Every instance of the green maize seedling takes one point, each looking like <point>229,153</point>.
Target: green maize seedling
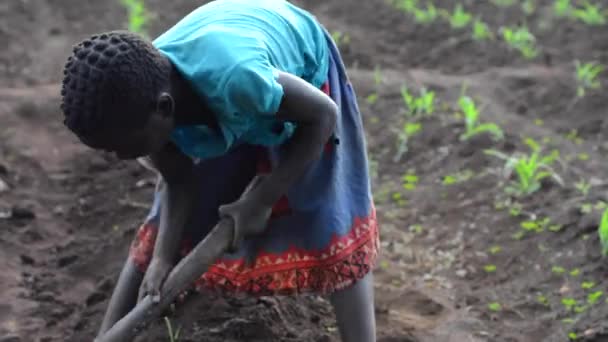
<point>590,14</point>
<point>472,125</point>
<point>583,186</point>
<point>562,8</point>
<point>340,38</point>
<point>423,104</point>
<point>426,16</point>
<point>377,76</point>
<point>520,39</point>
<point>530,169</point>
<point>586,76</point>
<point>137,15</point>
<point>408,6</point>
<point>603,232</point>
<point>173,336</point>
<point>503,3</point>
<point>528,6</point>
<point>409,129</point>
<point>459,18</point>
<point>481,30</point>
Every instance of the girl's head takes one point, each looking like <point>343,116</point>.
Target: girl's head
<point>116,94</point>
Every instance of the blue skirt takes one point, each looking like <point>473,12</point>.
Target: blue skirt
<point>322,235</point>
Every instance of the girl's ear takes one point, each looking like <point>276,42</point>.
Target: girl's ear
<point>165,105</point>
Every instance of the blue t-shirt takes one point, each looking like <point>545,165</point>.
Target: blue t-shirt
<point>231,52</point>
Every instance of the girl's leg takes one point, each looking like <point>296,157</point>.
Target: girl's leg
<point>124,297</point>
<point>354,308</point>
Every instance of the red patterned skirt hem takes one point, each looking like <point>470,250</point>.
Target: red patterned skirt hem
<point>295,271</point>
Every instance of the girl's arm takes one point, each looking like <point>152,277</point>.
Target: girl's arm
<point>178,191</point>
<point>315,115</point>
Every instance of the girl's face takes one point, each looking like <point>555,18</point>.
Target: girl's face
<point>132,144</point>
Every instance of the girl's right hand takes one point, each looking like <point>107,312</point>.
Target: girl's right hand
<point>154,279</point>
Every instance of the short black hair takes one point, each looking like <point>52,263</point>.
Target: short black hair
<point>111,81</point>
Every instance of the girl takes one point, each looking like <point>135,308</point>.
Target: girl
<point>245,111</point>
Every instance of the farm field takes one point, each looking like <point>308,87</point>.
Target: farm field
<point>486,126</point>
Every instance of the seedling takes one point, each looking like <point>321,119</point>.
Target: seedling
<point>575,272</point>
<point>460,18</point>
<point>410,181</point>
<point>340,38</point>
<point>569,303</point>
<point>173,336</point>
<point>489,268</point>
<point>372,98</point>
<point>530,169</point>
<point>594,297</point>
<point>528,6</point>
<point>409,129</point>
<point>573,136</point>
<point>137,15</point>
<point>603,232</point>
<point>583,187</point>
<point>426,16</point>
<point>408,6</point>
<point>495,250</point>
<point>586,77</point>
<point>418,105</point>
<point>494,307</point>
<point>558,270</point>
<point>458,177</point>
<point>416,229</point>
<point>562,8</point>
<point>377,76</point>
<point>481,30</point>
<point>587,285</point>
<point>398,198</point>
<point>503,3</point>
<point>520,39</point>
<point>472,125</point>
<point>542,300</point>
<point>590,14</point>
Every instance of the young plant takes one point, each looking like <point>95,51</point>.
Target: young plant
<point>426,16</point>
<point>481,30</point>
<point>408,6</point>
<point>340,38</point>
<point>520,39</point>
<point>503,3</point>
<point>459,18</point>
<point>173,336</point>
<point>586,77</point>
<point>528,6</point>
<point>603,232</point>
<point>590,14</point>
<point>458,177</point>
<point>583,186</point>
<point>409,129</point>
<point>418,105</point>
<point>530,169</point>
<point>471,119</point>
<point>137,15</point>
<point>562,8</point>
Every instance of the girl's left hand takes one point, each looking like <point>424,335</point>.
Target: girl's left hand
<point>249,215</point>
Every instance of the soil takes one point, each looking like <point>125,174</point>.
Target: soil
<point>455,265</point>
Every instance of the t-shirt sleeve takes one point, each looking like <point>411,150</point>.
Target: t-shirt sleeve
<point>252,88</point>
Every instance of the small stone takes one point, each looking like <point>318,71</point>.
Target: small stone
<point>461,273</point>
<point>19,213</point>
<point>95,298</point>
<point>26,260</point>
<point>10,338</point>
<point>67,260</point>
<point>3,186</point>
